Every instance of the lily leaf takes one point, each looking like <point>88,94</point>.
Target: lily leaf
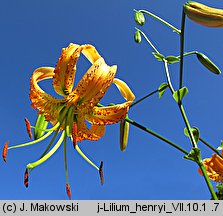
<point>162,88</point>
<point>158,56</point>
<point>204,60</point>
<point>193,155</point>
<point>172,59</point>
<point>195,132</point>
<point>179,94</point>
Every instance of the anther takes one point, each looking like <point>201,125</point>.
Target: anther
<point>5,151</point>
<point>28,128</point>
<point>26,178</point>
<point>68,190</point>
<point>101,173</point>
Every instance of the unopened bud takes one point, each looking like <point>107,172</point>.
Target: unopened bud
<point>137,37</point>
<point>40,126</point>
<point>139,18</point>
<point>204,60</point>
<point>204,15</point>
<point>124,133</point>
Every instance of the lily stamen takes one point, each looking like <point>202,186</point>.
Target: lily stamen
<point>48,155</point>
<point>85,157</point>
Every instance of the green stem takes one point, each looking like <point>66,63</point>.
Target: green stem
<point>182,49</point>
<point>156,135</point>
<point>194,144</point>
<point>143,98</point>
<point>180,106</point>
<point>186,121</point>
<point>168,76</point>
<point>188,53</point>
<point>209,146</point>
<point>160,20</point>
<point>148,95</point>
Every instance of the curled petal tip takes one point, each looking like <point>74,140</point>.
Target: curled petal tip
<point>101,172</point>
<point>5,151</point>
<point>68,190</point>
<point>26,178</point>
<point>28,128</point>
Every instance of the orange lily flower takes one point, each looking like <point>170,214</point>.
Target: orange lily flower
<point>70,113</point>
<point>214,168</point>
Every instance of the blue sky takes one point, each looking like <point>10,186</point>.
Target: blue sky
<point>33,34</point>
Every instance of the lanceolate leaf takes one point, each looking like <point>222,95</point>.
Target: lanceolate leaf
<point>158,56</point>
<point>162,88</point>
<point>179,94</point>
<point>172,59</point>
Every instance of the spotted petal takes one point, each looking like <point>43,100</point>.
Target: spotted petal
<point>42,101</point>
<point>66,66</point>
<point>93,85</point>
<point>94,133</point>
<point>65,69</point>
<point>109,114</point>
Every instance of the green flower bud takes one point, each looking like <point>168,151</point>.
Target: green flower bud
<point>204,15</point>
<point>124,133</point>
<point>139,18</point>
<point>40,126</point>
<point>204,60</point>
<point>137,37</point>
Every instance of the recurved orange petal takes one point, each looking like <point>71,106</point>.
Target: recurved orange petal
<point>90,53</point>
<point>109,114</point>
<point>94,133</point>
<point>93,85</point>
<point>42,101</point>
<point>66,66</point>
<point>124,89</point>
<point>66,69</point>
